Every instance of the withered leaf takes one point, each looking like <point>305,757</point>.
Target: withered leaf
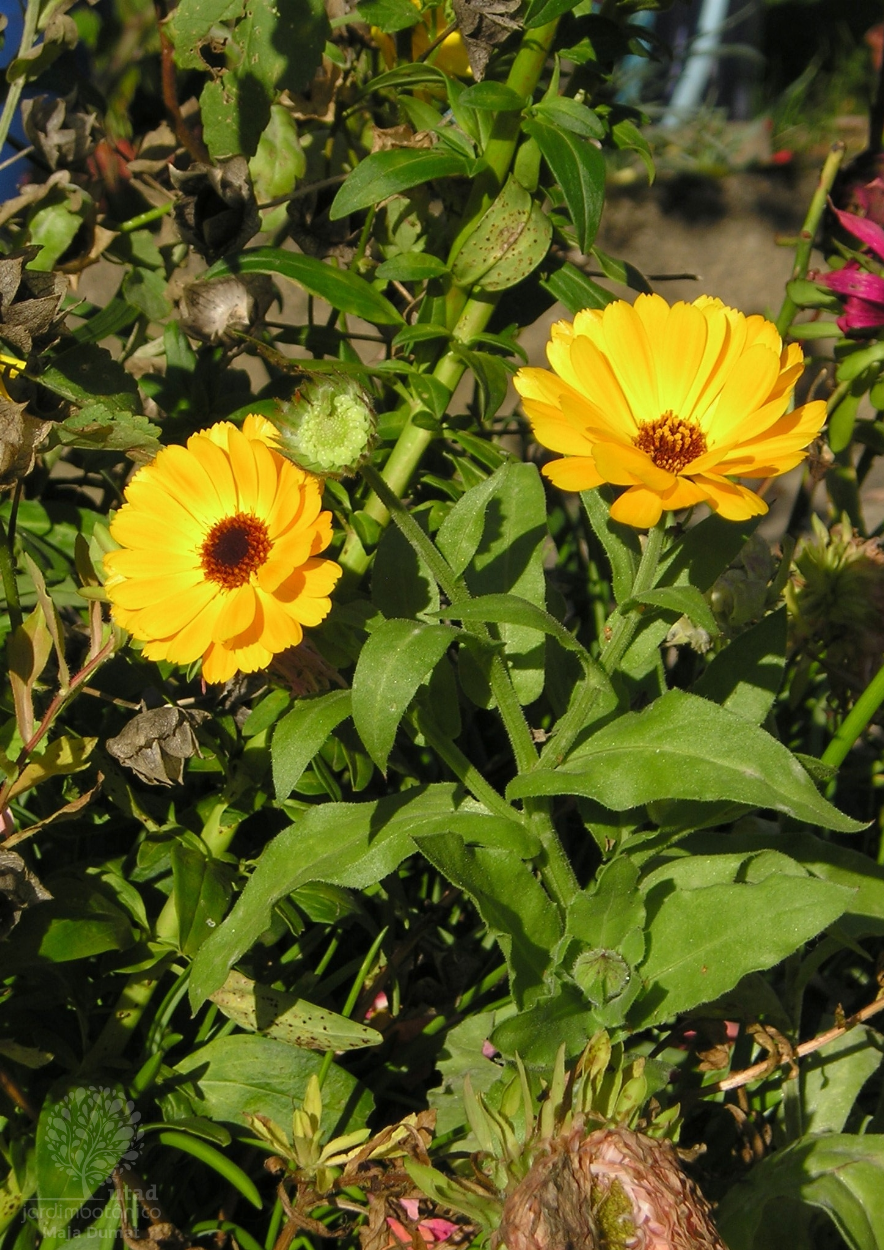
<point>20,436</point>
<point>19,888</point>
<point>60,130</point>
<point>29,302</point>
<point>156,743</point>
<point>483,24</point>
<point>216,211</point>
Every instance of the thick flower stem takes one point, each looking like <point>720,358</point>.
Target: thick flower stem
<point>414,440</point>
<point>466,772</point>
<point>856,720</point>
<point>140,987</point>
<point>624,629</point>
<point>809,229</point>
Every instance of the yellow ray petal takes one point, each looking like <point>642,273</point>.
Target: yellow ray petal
<point>602,387</point>
<point>216,462</point>
<point>730,500</point>
<point>747,387</point>
<point>638,506</point>
<point>140,563</point>
<point>195,639</point>
<point>680,352</point>
<point>245,470</point>
<point>632,359</point>
<point>279,630</point>
<point>143,592</point>
<point>219,664</point>
<point>627,466</point>
<point>573,473</point>
<point>238,615</point>
<point>187,481</point>
<point>165,618</point>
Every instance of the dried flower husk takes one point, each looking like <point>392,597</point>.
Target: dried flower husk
<point>155,744</point>
<point>20,436</point>
<point>483,24</point>
<point>216,211</point>
<point>612,1189</point>
<point>63,131</point>
<point>19,888</point>
<point>215,310</point>
<point>30,300</point>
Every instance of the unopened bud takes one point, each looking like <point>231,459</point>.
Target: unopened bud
<point>328,428</point>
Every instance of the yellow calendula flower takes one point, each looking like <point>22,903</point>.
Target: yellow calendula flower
<point>671,402</point>
<point>219,552</point>
<point>451,54</point>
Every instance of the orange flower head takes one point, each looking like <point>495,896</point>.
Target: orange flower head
<point>219,552</point>
<point>672,403</point>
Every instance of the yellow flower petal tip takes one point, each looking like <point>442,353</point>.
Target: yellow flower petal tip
<point>219,552</point>
<point>671,401</point>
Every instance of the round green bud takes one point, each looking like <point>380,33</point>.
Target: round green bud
<point>328,427</point>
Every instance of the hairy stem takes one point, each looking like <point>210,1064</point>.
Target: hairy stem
<point>627,623</point>
<point>856,720</point>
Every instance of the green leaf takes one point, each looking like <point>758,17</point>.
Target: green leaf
<point>510,900</point>
<point>683,747</point>
<point>686,601</point>
<point>386,173</point>
<point>746,676</point>
<point>277,46</point>
<point>190,27</point>
<point>509,559</point>
<point>145,290</point>
<point>414,266</point>
<point>397,657</point>
<point>702,941</point>
<point>389,15</point>
<point>460,533</point>
<point>575,290</point>
<point>201,891</point>
<point>290,1019</point>
<point>494,96</point>
<point>350,844</point>
<point>100,428</point>
<point>414,75</point>
<point>492,377</point>
<point>301,733</point>
<point>263,1076</point>
<point>342,289</point>
<point>833,1077</point>
<point>511,610</point>
<point>499,229</point>
<point>578,168</point>
<point>78,922</point>
<point>536,1034</point>
<point>620,542</point>
<point>401,582</point>
<point>837,1174</point>
<point>569,114</point>
<point>87,374</point>
<point>539,12</point>
<point>82,1134</point>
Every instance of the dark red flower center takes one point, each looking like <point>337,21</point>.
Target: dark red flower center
<point>234,549</point>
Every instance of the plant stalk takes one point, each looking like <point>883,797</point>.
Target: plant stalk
<point>15,89</point>
<point>809,229</point>
<point>855,721</point>
<point>624,629</point>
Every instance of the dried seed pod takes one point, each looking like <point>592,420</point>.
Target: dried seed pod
<point>62,131</point>
<point>29,303</point>
<point>155,744</point>
<point>609,1190</point>
<point>19,888</point>
<point>213,310</point>
<point>216,211</point>
<point>20,436</point>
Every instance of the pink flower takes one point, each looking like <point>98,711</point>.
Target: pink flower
<point>432,1231</point>
<point>863,291</point>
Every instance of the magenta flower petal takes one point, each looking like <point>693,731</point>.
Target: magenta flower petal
<point>860,314</point>
<point>867,231</point>
<point>851,280</point>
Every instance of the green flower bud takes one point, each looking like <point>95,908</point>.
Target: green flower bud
<point>328,428</point>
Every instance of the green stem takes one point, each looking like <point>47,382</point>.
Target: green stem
<point>809,229</point>
<point>464,771</point>
<point>141,986</point>
<point>145,218</point>
<point>10,582</point>
<point>13,93</point>
<point>856,720</point>
<point>627,622</point>
<point>355,990</point>
<point>501,146</point>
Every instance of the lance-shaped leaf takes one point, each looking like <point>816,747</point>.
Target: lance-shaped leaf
<point>684,747</point>
<point>289,1018</point>
<point>301,733</point>
<point>394,661</point>
<point>387,173</point>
